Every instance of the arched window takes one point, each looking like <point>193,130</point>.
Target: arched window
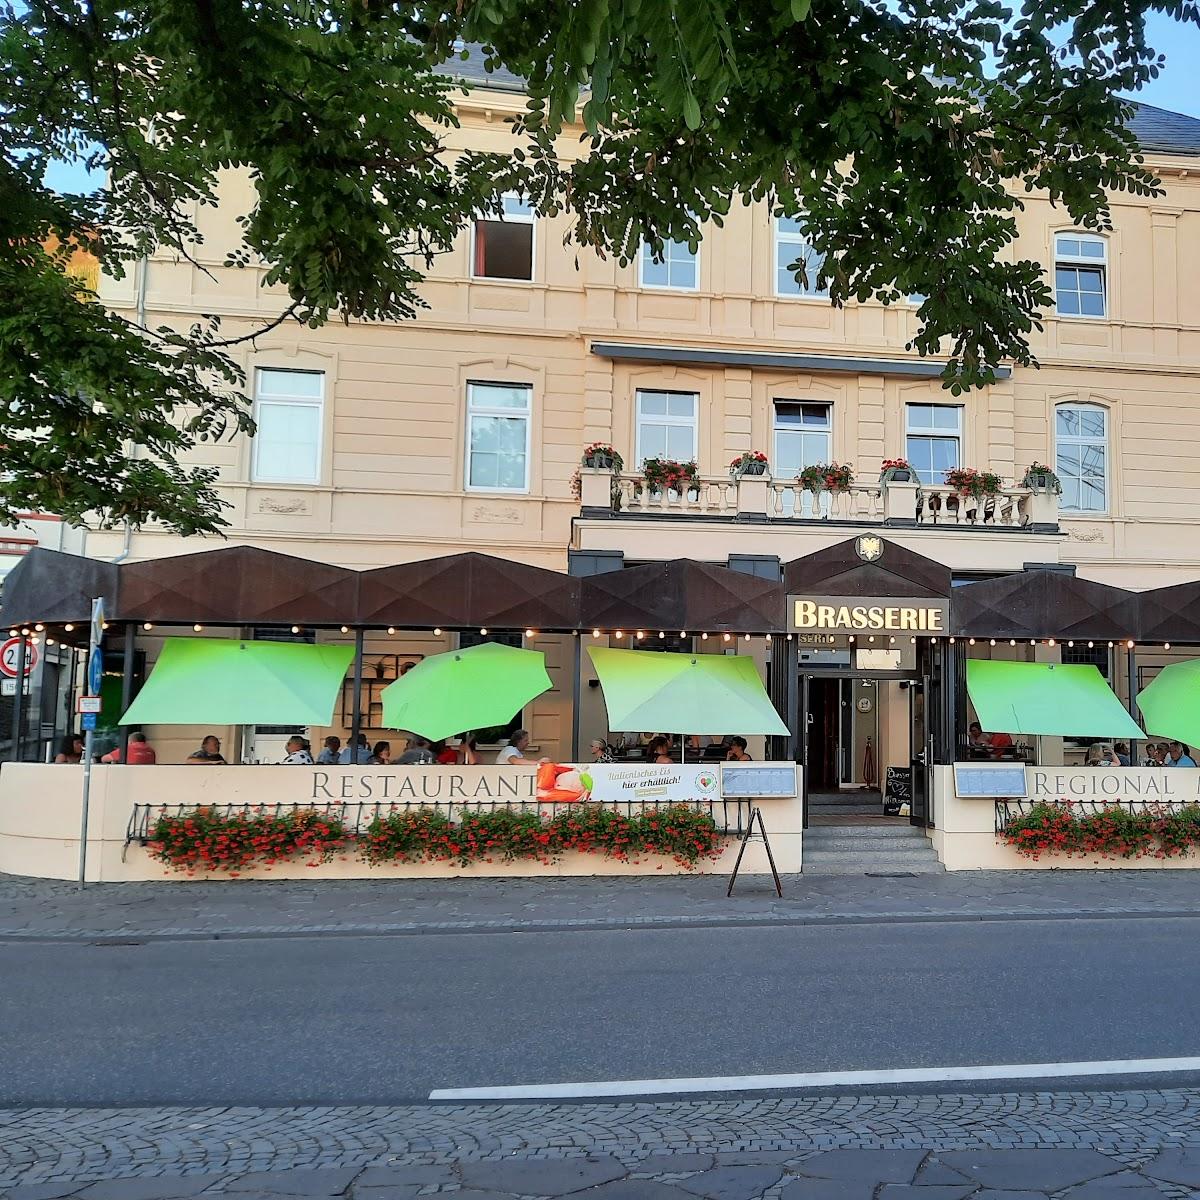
<point>1081,275</point>
<point>1081,456</point>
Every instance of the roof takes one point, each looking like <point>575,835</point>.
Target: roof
<point>1155,128</point>
<point>1165,131</point>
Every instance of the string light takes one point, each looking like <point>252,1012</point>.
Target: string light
<point>1129,644</point>
<point>104,625</point>
<point>727,637</point>
<point>892,639</point>
<point>704,637</point>
<point>683,633</point>
<point>49,641</point>
<point>25,631</point>
<point>913,640</point>
<point>871,638</point>
<point>1091,645</point>
<point>198,628</point>
<point>747,637</point>
<point>345,628</point>
<point>1166,645</point>
<point>295,628</point>
<point>1110,646</point>
<point>618,634</point>
<point>529,633</point>
<point>970,641</point>
<point>39,627</point>
<point>392,629</point>
<point>849,639</point>
<point>69,628</point>
<point>483,632</point>
<point>147,626</point>
<point>1012,641</point>
<point>790,638</point>
<point>595,633</point>
<point>640,635</point>
<point>33,641</point>
<point>952,641</point>
<point>662,634</point>
<point>13,632</point>
<point>437,631</point>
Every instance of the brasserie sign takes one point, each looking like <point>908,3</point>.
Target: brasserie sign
<point>868,614</point>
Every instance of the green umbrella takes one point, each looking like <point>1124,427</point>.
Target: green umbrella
<point>1171,703</point>
<point>465,689</point>
<point>225,681</point>
<point>684,693</point>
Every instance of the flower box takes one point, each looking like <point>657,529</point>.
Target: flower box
<point>752,462</point>
<point>896,470</point>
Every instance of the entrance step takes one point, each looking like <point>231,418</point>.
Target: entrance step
<point>869,849</point>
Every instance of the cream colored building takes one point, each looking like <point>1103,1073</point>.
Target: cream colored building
<point>463,429</point>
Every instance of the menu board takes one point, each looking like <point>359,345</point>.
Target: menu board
<point>758,779</point>
<point>897,789</point>
<point>991,781</point>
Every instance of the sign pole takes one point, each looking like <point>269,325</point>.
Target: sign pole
<point>18,715</point>
<point>95,676</point>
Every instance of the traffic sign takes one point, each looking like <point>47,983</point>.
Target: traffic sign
<point>88,704</point>
<point>88,721</point>
<point>95,673</point>
<point>97,620</point>
<point>10,652</point>
<point>8,687</point>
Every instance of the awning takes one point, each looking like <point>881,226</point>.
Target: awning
<point>215,681</point>
<point>1171,703</point>
<point>646,691</point>
<point>1070,700</point>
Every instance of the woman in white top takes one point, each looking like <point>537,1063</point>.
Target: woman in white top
<point>514,752</point>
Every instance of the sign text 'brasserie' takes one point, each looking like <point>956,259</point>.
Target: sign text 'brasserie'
<point>867,614</point>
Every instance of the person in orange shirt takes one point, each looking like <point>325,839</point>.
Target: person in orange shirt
<point>141,753</point>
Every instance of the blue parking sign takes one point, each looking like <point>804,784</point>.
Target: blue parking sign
<point>95,671</point>
<point>88,721</point>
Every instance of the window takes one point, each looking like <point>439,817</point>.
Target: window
<point>503,246</point>
<point>791,246</point>
<point>1081,456</point>
<point>1080,270</point>
<point>498,436</point>
<point>679,269</point>
<point>288,407</point>
<point>666,425</point>
<point>1099,657</point>
<point>802,436</point>
<point>933,442</point>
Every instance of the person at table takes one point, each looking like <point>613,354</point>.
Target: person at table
<point>331,751</point>
<point>443,754</point>
<point>417,753</point>
<point>1181,756</point>
<point>976,736</point>
<point>71,750</point>
<point>209,754</point>
<point>999,742</point>
<point>381,754</point>
<point>659,750</point>
<point>513,753</point>
<point>468,750</point>
<point>737,750</point>
<point>1121,750</point>
<point>356,756</point>
<point>298,753</point>
<point>1099,755</point>
<point>140,752</point>
<point>598,749</point>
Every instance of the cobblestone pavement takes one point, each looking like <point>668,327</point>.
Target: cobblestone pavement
<point>1143,1145</point>
<point>55,909</point>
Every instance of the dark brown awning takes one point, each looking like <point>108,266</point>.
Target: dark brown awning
<point>1044,604</point>
<point>465,591</point>
<point>53,587</point>
<point>238,585</point>
<point>848,569</point>
<point>682,595</point>
<point>1170,614</point>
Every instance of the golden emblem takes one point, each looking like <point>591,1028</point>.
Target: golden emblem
<point>869,548</point>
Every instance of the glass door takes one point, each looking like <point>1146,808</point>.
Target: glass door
<point>920,752</point>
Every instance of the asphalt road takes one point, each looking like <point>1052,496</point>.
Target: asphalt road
<point>386,1020</point>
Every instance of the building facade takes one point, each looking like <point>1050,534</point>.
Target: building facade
<point>463,429</point>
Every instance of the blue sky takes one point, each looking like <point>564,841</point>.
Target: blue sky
<point>1176,89</point>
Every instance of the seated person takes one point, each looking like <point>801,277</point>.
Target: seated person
<point>139,752</point>
<point>1121,750</point>
<point>1181,756</point>
<point>381,754</point>
<point>513,753</point>
<point>598,749</point>
<point>445,755</point>
<point>209,754</point>
<point>999,742</point>
<point>71,751</point>
<point>468,751</point>
<point>356,756</point>
<point>659,750</point>
<point>1099,755</point>
<point>418,753</point>
<point>737,750</point>
<point>330,756</point>
<point>298,754</point>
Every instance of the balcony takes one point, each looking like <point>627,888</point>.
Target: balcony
<point>608,495</point>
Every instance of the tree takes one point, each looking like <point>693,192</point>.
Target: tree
<point>902,130</point>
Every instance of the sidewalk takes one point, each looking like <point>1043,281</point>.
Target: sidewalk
<point>56,910</point>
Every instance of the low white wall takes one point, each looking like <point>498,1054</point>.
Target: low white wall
<point>40,817</point>
<point>965,837</point>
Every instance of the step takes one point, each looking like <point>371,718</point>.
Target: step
<point>880,829</point>
<point>839,810</point>
<point>884,868</point>
<point>850,849</point>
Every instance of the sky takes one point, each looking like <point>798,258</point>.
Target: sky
<point>1176,89</point>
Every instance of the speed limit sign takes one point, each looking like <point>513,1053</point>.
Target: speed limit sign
<point>9,654</point>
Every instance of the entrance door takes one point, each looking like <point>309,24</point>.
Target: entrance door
<point>920,752</point>
<point>824,734</point>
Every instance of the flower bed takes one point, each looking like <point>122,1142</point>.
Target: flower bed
<point>206,840</point>
<point>1109,832</point>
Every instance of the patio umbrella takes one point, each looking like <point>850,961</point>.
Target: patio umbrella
<point>684,693</point>
<point>465,689</point>
<point>1171,703</point>
<point>225,681</point>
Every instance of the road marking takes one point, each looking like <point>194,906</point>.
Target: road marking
<point>817,1079</point>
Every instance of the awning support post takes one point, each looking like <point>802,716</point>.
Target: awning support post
<point>356,711</point>
<point>127,685</point>
<point>575,690</point>
<point>1133,708</point>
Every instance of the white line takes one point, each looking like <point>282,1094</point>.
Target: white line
<point>816,1079</point>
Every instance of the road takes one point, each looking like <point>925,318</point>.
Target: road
<point>342,1020</point>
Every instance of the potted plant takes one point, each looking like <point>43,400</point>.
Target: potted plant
<point>602,457</point>
<point>665,474</point>
<point>896,470</point>
<point>967,481</point>
<point>826,477</point>
<point>749,462</point>
<point>1039,478</point>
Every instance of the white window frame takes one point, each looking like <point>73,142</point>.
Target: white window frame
<point>646,253</point>
<point>529,218</point>
<point>931,431</point>
<point>256,475</point>
<point>777,428</point>
<point>793,238</point>
<point>484,410</point>
<point>1078,260</point>
<point>1081,440</point>
<point>692,423</point>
